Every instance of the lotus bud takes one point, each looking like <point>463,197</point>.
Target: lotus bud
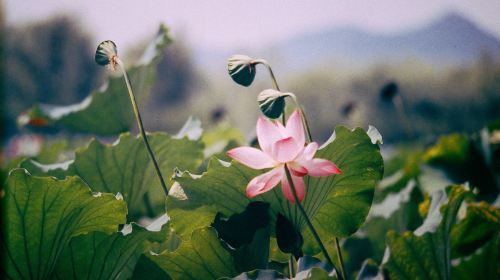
<point>241,69</point>
<point>106,54</point>
<point>272,102</point>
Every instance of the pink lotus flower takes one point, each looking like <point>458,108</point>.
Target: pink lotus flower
<point>282,145</point>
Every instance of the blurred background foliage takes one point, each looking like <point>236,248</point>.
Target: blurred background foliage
<point>48,62</point>
<point>458,99</point>
<point>2,76</point>
<point>51,62</point>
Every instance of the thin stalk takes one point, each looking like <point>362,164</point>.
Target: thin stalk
<point>266,64</point>
<point>140,125</point>
<point>276,86</point>
<point>305,123</point>
<point>290,266</point>
<point>308,130</point>
<point>273,79</point>
<point>341,260</point>
<point>309,223</point>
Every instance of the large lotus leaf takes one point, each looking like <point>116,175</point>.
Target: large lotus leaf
<point>5,168</point>
<point>42,214</point>
<point>481,223</point>
<point>449,150</point>
<point>314,273</point>
<point>107,110</point>
<point>425,253</point>
<point>53,151</point>
<point>398,211</point>
<point>102,256</point>
<point>201,257</point>
<point>249,234</point>
<point>337,204</point>
<point>125,167</point>
<point>482,264</point>
<point>267,274</point>
<point>399,170</point>
<point>255,254</point>
<point>147,269</point>
<point>369,270</point>
<point>218,138</point>
<point>462,159</point>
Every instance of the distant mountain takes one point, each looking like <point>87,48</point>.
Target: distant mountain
<point>451,40</point>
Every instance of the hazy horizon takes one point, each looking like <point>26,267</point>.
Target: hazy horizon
<point>237,24</point>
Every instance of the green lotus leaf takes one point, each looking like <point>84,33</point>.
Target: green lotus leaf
<point>482,264</point>
<point>125,167</point>
<point>101,256</point>
<point>481,224</point>
<point>42,216</point>
<point>425,253</point>
<point>200,257</point>
<point>107,110</point>
<point>338,205</point>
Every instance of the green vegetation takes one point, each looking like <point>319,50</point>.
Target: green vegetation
<point>94,209</point>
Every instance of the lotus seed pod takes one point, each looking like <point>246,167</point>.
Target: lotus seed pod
<point>272,103</point>
<point>241,69</point>
<point>105,53</point>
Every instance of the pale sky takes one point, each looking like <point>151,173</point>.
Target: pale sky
<point>227,24</point>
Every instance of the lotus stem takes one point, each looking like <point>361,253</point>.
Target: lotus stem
<point>308,221</point>
<point>290,181</point>
<point>273,79</point>
<point>269,69</point>
<point>337,246</point>
<point>140,125</point>
<point>341,259</point>
<point>290,266</point>
<point>276,86</point>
